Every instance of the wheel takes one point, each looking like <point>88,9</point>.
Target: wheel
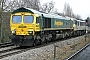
<point>37,42</point>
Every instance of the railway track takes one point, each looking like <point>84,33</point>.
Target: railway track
<point>2,45</point>
<point>16,50</point>
<point>3,51</point>
<point>12,50</point>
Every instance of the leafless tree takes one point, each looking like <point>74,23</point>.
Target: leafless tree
<point>48,7</point>
<point>9,5</point>
<point>5,5</point>
<point>34,4</point>
<point>78,16</point>
<point>67,10</point>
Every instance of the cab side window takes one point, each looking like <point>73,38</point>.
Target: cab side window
<point>37,20</point>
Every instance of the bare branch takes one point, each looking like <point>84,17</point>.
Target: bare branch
<point>67,10</point>
<point>48,7</point>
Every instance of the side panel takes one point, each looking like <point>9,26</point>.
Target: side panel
<point>41,22</point>
<point>88,22</point>
<point>45,22</point>
<point>61,23</point>
<point>57,23</point>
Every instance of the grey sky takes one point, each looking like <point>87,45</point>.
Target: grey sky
<point>80,7</point>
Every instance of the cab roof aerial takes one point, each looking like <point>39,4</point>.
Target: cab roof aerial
<point>22,10</point>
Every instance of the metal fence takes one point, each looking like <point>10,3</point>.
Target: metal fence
<point>67,48</point>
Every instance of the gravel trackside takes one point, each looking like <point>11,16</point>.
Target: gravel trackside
<point>47,52</point>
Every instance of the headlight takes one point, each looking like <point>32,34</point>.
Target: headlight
<point>13,31</point>
<point>30,32</point>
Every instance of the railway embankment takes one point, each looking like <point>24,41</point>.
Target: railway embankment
<point>63,50</point>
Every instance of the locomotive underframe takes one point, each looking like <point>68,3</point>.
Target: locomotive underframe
<point>44,36</point>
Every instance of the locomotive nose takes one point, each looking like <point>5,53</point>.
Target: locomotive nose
<point>25,30</point>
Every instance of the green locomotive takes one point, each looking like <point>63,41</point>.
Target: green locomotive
<point>30,27</point>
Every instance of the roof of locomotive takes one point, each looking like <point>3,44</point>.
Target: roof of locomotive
<point>39,13</point>
<point>22,10</point>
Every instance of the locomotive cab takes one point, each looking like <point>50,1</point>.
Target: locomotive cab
<point>23,26</point>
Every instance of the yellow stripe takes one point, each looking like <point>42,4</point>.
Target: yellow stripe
<point>55,28</point>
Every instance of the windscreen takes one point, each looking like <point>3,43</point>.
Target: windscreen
<point>28,19</point>
<point>16,19</point>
